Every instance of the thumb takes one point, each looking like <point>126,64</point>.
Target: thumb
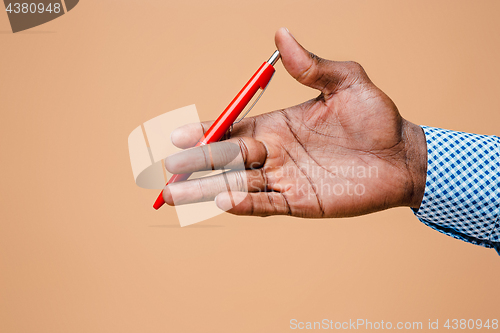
<point>325,75</point>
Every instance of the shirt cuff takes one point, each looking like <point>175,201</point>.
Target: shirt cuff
<point>462,189</point>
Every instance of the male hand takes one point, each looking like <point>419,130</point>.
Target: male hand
<point>347,152</point>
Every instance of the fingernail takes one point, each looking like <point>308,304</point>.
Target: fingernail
<point>166,195</point>
<point>289,32</point>
<point>223,201</point>
<point>174,136</point>
<point>174,162</point>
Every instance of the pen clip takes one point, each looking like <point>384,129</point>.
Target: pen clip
<point>255,100</point>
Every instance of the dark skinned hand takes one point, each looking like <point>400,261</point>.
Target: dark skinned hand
<point>347,152</point>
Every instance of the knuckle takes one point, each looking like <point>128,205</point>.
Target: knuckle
<point>243,149</point>
<point>315,57</point>
<point>200,188</point>
<point>263,175</point>
<point>354,66</point>
<point>207,157</point>
<point>239,182</point>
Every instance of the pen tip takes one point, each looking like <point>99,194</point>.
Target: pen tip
<point>274,58</point>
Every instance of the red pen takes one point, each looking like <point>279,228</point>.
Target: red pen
<point>258,81</point>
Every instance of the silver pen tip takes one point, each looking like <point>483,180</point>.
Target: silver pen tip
<point>274,58</point>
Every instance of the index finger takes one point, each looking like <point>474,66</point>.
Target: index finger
<point>188,135</point>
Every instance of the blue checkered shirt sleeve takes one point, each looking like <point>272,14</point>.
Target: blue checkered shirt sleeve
<point>462,189</point>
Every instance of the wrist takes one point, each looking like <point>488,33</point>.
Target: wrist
<point>416,163</point>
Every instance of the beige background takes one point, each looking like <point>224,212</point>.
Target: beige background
<point>81,249</point>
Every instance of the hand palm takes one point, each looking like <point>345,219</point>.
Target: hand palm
<point>335,156</point>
